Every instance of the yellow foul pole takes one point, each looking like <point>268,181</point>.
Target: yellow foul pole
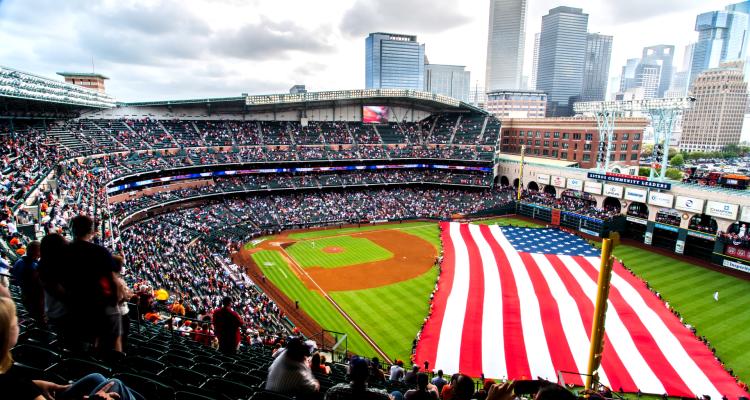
<point>597,329</point>
<point>520,172</point>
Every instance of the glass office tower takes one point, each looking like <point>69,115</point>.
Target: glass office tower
<point>394,61</point>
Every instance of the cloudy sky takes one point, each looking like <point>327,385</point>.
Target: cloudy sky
<point>169,49</point>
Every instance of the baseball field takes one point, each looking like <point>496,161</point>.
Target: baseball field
<point>374,284</point>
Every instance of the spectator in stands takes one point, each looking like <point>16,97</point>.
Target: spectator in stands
<point>26,275</point>
<point>227,324</point>
<point>410,378</point>
<point>439,381</point>
<point>359,373</point>
<point>52,249</point>
<point>90,287</point>
<point>397,372</point>
<point>17,387</point>
<point>549,391</point>
<point>376,374</point>
<point>123,295</point>
<point>421,392</point>
<point>318,364</point>
<point>461,387</point>
<point>290,372</point>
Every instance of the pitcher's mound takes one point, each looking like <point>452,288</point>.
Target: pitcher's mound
<point>333,249</point>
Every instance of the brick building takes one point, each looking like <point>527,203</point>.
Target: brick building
<point>572,139</point>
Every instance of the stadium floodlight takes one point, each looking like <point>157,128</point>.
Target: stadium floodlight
<point>662,112</point>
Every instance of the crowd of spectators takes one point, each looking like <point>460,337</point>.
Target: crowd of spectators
<point>569,202</point>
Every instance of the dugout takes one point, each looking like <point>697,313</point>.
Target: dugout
<point>636,221</point>
<point>700,237</point>
<point>666,229</point>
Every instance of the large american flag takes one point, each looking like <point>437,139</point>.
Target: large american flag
<point>519,302</point>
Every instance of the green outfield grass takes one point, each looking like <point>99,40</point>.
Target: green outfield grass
<point>312,302</point>
<point>310,253</point>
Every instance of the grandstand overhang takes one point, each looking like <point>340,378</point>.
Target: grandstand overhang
<point>337,98</point>
<point>19,85</point>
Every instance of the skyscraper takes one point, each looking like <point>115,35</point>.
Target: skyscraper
<point>722,37</point>
<point>393,61</point>
<point>505,44</point>
<point>627,78</point>
<point>562,51</point>
<point>448,80</point>
<point>596,67</point>
<point>661,55</point>
<point>715,120</point>
<point>535,62</point>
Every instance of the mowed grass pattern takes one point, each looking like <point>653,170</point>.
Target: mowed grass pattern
<point>689,289</point>
<point>311,253</point>
<point>312,302</point>
<point>391,315</point>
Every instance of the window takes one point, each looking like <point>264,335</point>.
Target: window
<point>614,136</point>
<point>634,156</point>
<point>565,145</point>
<point>546,135</point>
<point>636,136</point>
<point>528,142</point>
<point>589,136</point>
<point>564,155</point>
<point>587,157</point>
<point>566,135</point>
<point>575,156</point>
<point>624,147</point>
<point>538,134</point>
<point>635,146</point>
<point>545,152</point>
<point>575,146</point>
<point>554,153</point>
<point>538,142</point>
<point>546,143</point>
<point>576,136</point>
<point>587,147</point>
<point>520,133</point>
<point>625,136</point>
<point>555,144</point>
<point>623,157</point>
<point>556,135</point>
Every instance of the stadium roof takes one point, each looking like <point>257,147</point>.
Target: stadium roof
<point>82,75</point>
<point>338,97</point>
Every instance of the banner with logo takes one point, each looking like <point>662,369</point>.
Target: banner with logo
<point>543,179</point>
<point>648,237</point>
<point>721,210</point>
<point>660,199</point>
<point>689,204</point>
<point>555,217</point>
<point>575,184</point>
<point>592,187</point>
<point>613,191</point>
<point>679,248</point>
<point>735,265</point>
<point>738,252</point>
<point>634,194</point>
<point>629,180</point>
<point>558,181</point>
<point>636,220</point>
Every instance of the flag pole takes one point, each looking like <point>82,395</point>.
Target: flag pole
<point>597,328</point>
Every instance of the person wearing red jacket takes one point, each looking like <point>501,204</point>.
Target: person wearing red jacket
<point>227,324</point>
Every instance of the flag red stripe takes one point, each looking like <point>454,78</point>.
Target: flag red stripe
<point>471,340</point>
<point>644,341</point>
<point>562,357</point>
<point>517,362</point>
<point>698,351</point>
<point>615,370</point>
<point>430,337</point>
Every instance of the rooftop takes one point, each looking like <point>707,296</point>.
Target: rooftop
<point>82,75</point>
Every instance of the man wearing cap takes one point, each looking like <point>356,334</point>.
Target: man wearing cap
<point>359,372</point>
<point>290,372</point>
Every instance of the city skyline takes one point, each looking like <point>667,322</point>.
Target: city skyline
<point>167,49</point>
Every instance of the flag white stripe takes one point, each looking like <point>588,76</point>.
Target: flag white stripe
<point>493,350</point>
<point>618,334</point>
<point>448,356</point>
<point>671,347</point>
<point>537,351</point>
<point>570,317</point>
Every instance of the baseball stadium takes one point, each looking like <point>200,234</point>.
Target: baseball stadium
<point>384,224</point>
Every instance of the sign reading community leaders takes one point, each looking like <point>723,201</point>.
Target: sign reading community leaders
<point>592,187</point>
<point>689,204</point>
<point>721,210</point>
<point>633,194</point>
<point>558,181</point>
<point>630,180</point>
<point>543,179</point>
<point>575,184</point>
<point>613,190</point>
<point>660,199</point>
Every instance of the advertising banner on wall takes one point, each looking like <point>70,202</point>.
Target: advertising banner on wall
<point>558,181</point>
<point>745,214</point>
<point>660,199</point>
<point>736,265</point>
<point>648,237</point>
<point>679,248</point>
<point>721,210</point>
<point>738,252</point>
<point>613,191</point>
<point>542,179</point>
<point>575,184</point>
<point>592,187</point>
<point>634,194</point>
<point>689,204</point>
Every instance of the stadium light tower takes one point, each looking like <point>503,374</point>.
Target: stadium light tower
<point>662,112</point>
